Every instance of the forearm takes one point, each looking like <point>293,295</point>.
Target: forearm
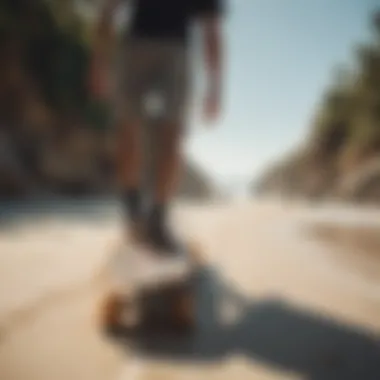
<point>213,51</point>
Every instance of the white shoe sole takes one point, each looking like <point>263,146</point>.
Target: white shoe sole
<point>139,267</point>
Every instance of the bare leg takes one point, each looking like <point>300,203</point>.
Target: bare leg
<point>169,157</point>
<point>168,165</point>
<point>129,162</point>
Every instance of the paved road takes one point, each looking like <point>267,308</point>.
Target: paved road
<point>277,304</point>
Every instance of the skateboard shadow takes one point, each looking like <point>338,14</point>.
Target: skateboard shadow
<point>274,332</point>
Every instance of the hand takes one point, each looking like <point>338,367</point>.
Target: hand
<point>211,106</point>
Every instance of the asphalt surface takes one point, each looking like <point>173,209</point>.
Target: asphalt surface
<point>273,303</point>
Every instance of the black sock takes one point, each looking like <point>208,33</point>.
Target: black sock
<point>157,216</point>
<point>159,232</point>
<point>132,204</point>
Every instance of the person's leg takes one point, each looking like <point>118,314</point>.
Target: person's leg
<point>132,72</point>
<point>168,146</point>
<point>167,174</point>
<point>129,158</point>
<point>168,164</point>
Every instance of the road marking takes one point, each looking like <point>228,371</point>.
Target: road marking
<point>132,371</point>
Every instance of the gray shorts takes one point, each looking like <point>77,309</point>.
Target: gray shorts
<point>146,68</point>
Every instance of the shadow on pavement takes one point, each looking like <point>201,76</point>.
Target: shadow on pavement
<point>14,213</point>
<point>273,332</point>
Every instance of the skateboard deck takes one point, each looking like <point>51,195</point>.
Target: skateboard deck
<point>144,296</point>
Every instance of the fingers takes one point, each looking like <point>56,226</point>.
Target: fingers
<point>211,108</point>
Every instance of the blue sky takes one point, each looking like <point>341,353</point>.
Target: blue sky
<point>279,59</point>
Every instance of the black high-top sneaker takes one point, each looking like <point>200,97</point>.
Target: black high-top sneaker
<point>133,214</point>
<point>159,235</point>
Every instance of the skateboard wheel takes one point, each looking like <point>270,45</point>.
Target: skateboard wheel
<point>112,310</point>
<point>184,311</point>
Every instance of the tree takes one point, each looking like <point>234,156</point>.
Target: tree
<point>53,49</point>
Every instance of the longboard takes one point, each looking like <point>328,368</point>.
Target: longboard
<point>139,300</point>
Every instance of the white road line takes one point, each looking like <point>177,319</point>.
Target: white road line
<point>133,370</point>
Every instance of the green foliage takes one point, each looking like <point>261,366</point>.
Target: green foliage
<point>54,53</point>
<point>97,115</point>
<point>350,111</point>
